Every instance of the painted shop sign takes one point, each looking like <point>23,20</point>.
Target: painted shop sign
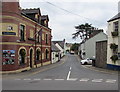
<point>8,33</point>
<point>8,57</point>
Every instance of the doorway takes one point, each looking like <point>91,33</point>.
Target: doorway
<point>31,58</point>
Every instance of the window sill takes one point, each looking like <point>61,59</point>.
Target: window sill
<point>22,40</point>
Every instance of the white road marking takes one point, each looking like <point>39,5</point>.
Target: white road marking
<point>36,79</point>
<point>70,68</point>
<point>68,76</point>
<point>84,79</point>
<point>26,79</point>
<point>110,81</point>
<point>17,79</point>
<point>59,79</point>
<point>97,80</point>
<point>72,79</point>
<point>47,79</point>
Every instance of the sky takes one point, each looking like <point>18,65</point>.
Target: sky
<point>64,15</point>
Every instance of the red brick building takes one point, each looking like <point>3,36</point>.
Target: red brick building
<point>26,38</point>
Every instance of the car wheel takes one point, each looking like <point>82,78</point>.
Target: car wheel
<point>85,63</point>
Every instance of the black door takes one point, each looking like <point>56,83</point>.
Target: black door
<point>31,57</point>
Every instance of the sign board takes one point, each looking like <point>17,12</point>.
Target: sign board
<point>8,57</point>
<point>8,33</point>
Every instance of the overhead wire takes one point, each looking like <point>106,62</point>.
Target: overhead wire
<point>85,18</point>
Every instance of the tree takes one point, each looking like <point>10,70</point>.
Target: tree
<point>75,47</point>
<point>84,31</point>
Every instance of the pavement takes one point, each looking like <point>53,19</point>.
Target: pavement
<point>100,69</point>
<point>104,70</point>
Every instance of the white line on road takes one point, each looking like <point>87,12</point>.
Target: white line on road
<point>26,79</point>
<point>97,80</point>
<point>72,79</point>
<point>59,79</point>
<point>110,81</point>
<point>70,68</point>
<point>47,79</point>
<point>68,76</point>
<point>84,79</point>
<point>36,79</point>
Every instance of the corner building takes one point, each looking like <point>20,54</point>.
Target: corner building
<point>26,38</point>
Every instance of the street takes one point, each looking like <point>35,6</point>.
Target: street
<point>68,74</point>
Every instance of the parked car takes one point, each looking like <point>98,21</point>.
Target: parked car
<point>72,52</point>
<point>86,61</point>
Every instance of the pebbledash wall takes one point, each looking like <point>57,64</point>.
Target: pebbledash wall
<point>20,55</point>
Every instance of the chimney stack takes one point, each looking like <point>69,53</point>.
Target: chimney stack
<point>11,6</point>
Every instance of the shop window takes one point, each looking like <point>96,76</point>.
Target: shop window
<point>38,55</point>
<point>22,32</point>
<point>22,55</point>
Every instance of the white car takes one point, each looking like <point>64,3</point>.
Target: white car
<point>86,61</point>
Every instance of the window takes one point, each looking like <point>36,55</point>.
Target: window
<point>38,55</point>
<point>22,55</point>
<point>116,26</point>
<point>22,32</point>
<point>42,55</point>
<point>46,38</point>
<point>47,54</point>
<point>36,16</point>
<point>31,34</point>
<point>43,36</point>
<point>37,38</point>
<point>118,55</point>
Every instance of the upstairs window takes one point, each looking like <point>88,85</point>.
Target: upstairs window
<point>22,32</point>
<point>46,38</point>
<point>116,26</point>
<point>31,33</point>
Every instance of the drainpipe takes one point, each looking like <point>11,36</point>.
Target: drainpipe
<point>41,47</point>
<point>50,49</point>
<point>35,44</point>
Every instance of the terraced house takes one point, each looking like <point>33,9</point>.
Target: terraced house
<point>113,48</point>
<point>26,38</point>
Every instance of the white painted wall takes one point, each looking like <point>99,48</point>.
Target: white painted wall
<point>115,40</point>
<point>61,50</point>
<point>54,58</point>
<point>89,47</point>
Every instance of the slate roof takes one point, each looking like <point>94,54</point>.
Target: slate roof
<point>61,43</point>
<point>115,17</point>
<point>44,17</point>
<point>31,11</point>
<point>54,48</point>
